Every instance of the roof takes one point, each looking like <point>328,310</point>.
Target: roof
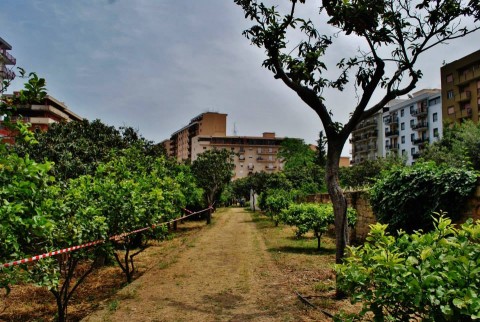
<point>4,44</point>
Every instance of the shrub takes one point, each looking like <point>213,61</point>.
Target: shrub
<point>314,217</point>
<point>405,198</point>
<point>428,277</point>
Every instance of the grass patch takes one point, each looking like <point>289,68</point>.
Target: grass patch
<point>310,271</point>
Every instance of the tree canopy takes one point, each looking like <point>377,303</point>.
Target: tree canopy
<point>392,35</point>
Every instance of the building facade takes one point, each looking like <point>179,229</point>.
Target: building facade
<point>367,140</point>
<point>208,131</point>
<point>249,153</point>
<point>40,116</point>
<point>6,59</point>
<point>179,145</point>
<point>403,128</point>
<point>413,123</point>
<point>461,88</point>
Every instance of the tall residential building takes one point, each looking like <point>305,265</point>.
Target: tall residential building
<point>410,124</point>
<point>6,59</point>
<point>208,131</point>
<point>40,116</point>
<point>461,88</point>
<point>179,145</point>
<point>366,140</point>
<point>402,128</point>
<point>249,153</point>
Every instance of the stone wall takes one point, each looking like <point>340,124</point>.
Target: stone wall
<point>359,201</point>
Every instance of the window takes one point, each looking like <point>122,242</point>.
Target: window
<point>412,137</point>
<point>412,151</point>
<point>434,101</point>
<point>204,147</point>
<point>411,109</point>
<point>402,126</point>
<point>449,78</point>
<point>403,139</point>
<point>435,117</point>
<point>450,94</point>
<point>404,152</point>
<point>412,123</point>
<point>435,132</point>
<point>402,112</point>
<point>450,110</point>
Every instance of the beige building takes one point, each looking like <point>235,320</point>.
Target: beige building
<point>6,59</point>
<point>461,88</point>
<point>366,139</point>
<point>179,145</point>
<point>249,153</point>
<point>208,131</point>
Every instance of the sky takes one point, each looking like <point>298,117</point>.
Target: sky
<point>156,64</point>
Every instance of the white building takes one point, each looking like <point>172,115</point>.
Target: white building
<point>410,124</point>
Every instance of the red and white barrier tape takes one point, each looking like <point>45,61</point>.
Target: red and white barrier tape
<point>89,244</point>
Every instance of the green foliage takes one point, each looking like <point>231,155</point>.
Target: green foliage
<point>296,153</point>
<point>313,217</point>
<point>321,153</point>
<point>300,167</point>
<point>276,200</point>
<point>427,277</point>
<point>77,148</point>
<point>458,147</point>
<point>213,170</point>
<point>405,198</point>
<point>367,172</point>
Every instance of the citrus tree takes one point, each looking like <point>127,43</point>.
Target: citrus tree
<point>426,277</point>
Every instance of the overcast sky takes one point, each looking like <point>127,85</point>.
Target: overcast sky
<point>155,64</point>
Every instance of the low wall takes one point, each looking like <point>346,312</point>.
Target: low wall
<point>359,200</point>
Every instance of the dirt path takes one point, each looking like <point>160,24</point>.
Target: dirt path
<point>226,275</point>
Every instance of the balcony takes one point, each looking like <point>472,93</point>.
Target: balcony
<point>464,97</point>
<point>416,155</point>
<point>6,73</point>
<point>391,133</point>
<point>241,151</point>
<point>260,159</point>
<point>466,113</point>
<point>420,141</point>
<point>392,147</point>
<point>422,111</point>
<point>267,152</point>
<point>420,126</point>
<point>8,59</point>
<point>366,124</point>
<point>372,147</point>
<point>468,76</point>
<point>390,120</point>
<point>250,167</point>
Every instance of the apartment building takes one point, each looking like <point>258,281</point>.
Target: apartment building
<point>249,153</point>
<point>403,128</point>
<point>179,145</point>
<point>40,116</point>
<point>6,59</point>
<point>461,88</point>
<point>208,131</point>
<point>410,124</point>
<point>367,140</point>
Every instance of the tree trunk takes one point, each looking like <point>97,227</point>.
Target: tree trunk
<point>209,216</point>
<point>338,200</point>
